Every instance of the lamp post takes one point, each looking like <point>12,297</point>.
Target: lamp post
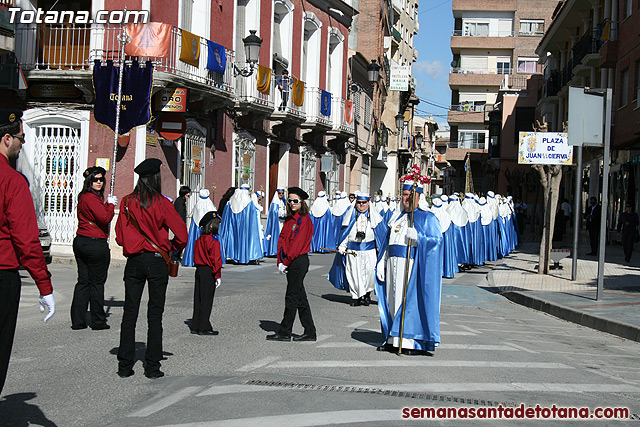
<point>373,72</point>
<point>252,45</point>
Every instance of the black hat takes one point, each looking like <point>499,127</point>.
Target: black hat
<point>148,167</point>
<point>94,170</point>
<point>299,191</point>
<point>207,217</point>
<point>9,116</point>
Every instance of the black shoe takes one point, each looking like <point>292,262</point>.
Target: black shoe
<point>125,373</point>
<point>193,331</point>
<point>154,374</point>
<point>207,332</point>
<point>363,301</point>
<point>355,303</point>
<point>367,298</point>
<point>77,328</point>
<point>305,337</point>
<point>100,327</point>
<point>386,347</point>
<point>278,337</point>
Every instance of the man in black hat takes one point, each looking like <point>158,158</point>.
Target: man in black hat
<point>284,83</point>
<point>19,241</point>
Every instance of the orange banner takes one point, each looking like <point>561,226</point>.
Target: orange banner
<point>190,49</point>
<point>348,110</point>
<point>264,79</point>
<point>298,92</point>
<point>152,39</point>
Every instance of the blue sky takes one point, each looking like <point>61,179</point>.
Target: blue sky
<point>434,56</point>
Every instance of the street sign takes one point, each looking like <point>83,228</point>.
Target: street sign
<point>399,77</point>
<point>586,117</point>
<point>544,148</point>
<point>171,126</point>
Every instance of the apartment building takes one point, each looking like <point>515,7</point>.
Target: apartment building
<point>493,45</point>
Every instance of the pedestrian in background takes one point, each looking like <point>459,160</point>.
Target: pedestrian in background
<point>19,241</point>
<point>293,246</point>
<point>208,261</point>
<point>91,250</point>
<point>592,218</point>
<point>284,83</point>
<point>142,230</point>
<point>181,207</point>
<point>628,229</point>
<point>566,211</point>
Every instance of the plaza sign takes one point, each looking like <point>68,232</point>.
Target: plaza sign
<point>544,148</point>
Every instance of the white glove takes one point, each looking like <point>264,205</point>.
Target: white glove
<point>412,233</point>
<point>380,271</point>
<point>282,268</point>
<point>342,250</point>
<point>113,200</point>
<point>268,237</point>
<point>48,301</point>
<point>218,283</point>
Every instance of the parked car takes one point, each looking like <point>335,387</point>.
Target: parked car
<point>45,241</point>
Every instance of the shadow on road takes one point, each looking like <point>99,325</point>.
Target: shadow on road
<point>16,412</point>
<point>368,337</point>
<point>141,348</point>
<point>269,326</point>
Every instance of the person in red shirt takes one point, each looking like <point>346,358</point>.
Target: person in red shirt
<point>142,230</point>
<point>294,245</point>
<point>208,261</point>
<point>19,241</point>
<point>91,251</point>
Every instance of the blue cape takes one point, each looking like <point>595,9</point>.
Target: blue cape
<point>240,234</point>
<point>187,254</point>
<point>461,243</point>
<point>338,275</point>
<point>272,229</point>
<point>422,314</point>
<point>323,232</point>
<point>491,240</point>
<point>450,257</point>
<point>478,251</point>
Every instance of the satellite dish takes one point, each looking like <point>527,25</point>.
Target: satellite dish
<point>453,64</point>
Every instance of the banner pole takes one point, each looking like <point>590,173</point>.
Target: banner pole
<point>123,39</point>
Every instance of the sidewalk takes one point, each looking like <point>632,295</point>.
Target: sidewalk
<point>618,310</point>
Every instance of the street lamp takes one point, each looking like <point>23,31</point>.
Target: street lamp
<point>373,72</point>
<point>252,54</point>
<point>399,122</point>
<point>419,139</point>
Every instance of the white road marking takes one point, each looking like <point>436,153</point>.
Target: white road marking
<point>476,315</point>
<point>356,344</point>
<point>351,344</point>
<point>412,361</point>
<point>315,267</point>
<point>502,387</point>
<point>165,402</point>
<point>475,331</point>
<point>258,364</point>
<point>235,388</point>
<point>531,332</point>
<point>451,333</point>
<point>355,325</point>
<point>521,348</point>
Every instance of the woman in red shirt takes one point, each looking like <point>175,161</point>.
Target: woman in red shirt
<point>293,246</point>
<point>91,251</point>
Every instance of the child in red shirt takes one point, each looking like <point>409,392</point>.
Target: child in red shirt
<point>208,261</point>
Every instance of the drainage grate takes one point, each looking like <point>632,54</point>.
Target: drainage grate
<point>394,393</point>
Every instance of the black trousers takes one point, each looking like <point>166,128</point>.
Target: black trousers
<point>92,257</point>
<point>627,238</point>
<point>203,293</point>
<point>140,269</point>
<point>9,300</point>
<point>594,238</point>
<point>295,300</point>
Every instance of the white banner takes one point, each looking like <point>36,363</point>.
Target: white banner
<point>544,148</point>
<point>400,77</point>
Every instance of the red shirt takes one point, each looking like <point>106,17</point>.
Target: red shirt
<point>92,208</point>
<point>206,251</point>
<point>295,238</point>
<point>19,234</point>
<point>155,222</point>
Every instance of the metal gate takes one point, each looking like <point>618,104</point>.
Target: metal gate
<point>58,179</point>
<point>245,155</point>
<point>309,163</point>
<point>194,165</point>
<point>333,177</point>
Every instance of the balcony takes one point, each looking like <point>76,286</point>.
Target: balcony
<point>339,119</point>
<point>289,112</point>
<point>467,112</point>
<point>514,82</point>
<point>396,35</point>
<point>477,77</point>
<point>585,51</point>
<point>312,109</point>
<point>461,39</point>
<point>53,51</point>
<point>486,5</point>
<point>551,86</point>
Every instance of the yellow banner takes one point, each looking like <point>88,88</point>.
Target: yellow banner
<point>298,92</point>
<point>264,79</point>
<point>190,50</point>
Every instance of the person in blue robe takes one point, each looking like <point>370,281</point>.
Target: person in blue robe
<point>459,221</point>
<point>363,233</point>
<point>240,228</point>
<point>449,254</point>
<point>338,210</point>
<point>474,226</point>
<point>275,219</point>
<point>322,221</point>
<point>421,332</point>
<point>203,205</point>
<point>486,221</point>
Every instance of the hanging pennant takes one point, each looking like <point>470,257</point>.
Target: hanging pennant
<point>216,58</point>
<point>325,103</point>
<point>264,79</point>
<point>190,49</point>
<point>297,92</point>
<point>152,39</point>
<point>135,107</point>
<point>348,111</point>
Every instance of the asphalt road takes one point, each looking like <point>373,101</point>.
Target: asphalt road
<point>493,352</point>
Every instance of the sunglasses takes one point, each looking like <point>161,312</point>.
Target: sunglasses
<point>294,201</point>
<point>19,137</point>
<point>362,202</point>
<point>101,179</point>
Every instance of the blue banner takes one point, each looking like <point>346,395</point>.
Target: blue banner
<point>217,59</point>
<point>325,103</point>
<point>135,107</point>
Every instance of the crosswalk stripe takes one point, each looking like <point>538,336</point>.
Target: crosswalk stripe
<point>522,348</point>
<point>355,325</point>
<point>475,331</point>
<point>235,388</point>
<point>423,361</point>
<point>258,364</point>
<point>356,344</point>
<point>504,387</point>
<point>165,402</point>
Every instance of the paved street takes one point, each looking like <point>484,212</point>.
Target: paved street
<point>493,351</point>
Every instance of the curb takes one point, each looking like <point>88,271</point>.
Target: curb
<point>71,260</point>
<point>620,329</point>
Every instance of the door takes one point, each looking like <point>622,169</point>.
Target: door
<point>194,165</point>
<point>274,160</point>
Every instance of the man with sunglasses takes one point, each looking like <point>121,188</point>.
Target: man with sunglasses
<point>19,241</point>
<point>363,232</point>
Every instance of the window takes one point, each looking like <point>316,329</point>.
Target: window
<point>624,88</point>
<point>367,112</point>
<point>531,27</point>
<point>528,65</point>
<point>503,66</point>
<point>471,140</point>
<point>476,29</point>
